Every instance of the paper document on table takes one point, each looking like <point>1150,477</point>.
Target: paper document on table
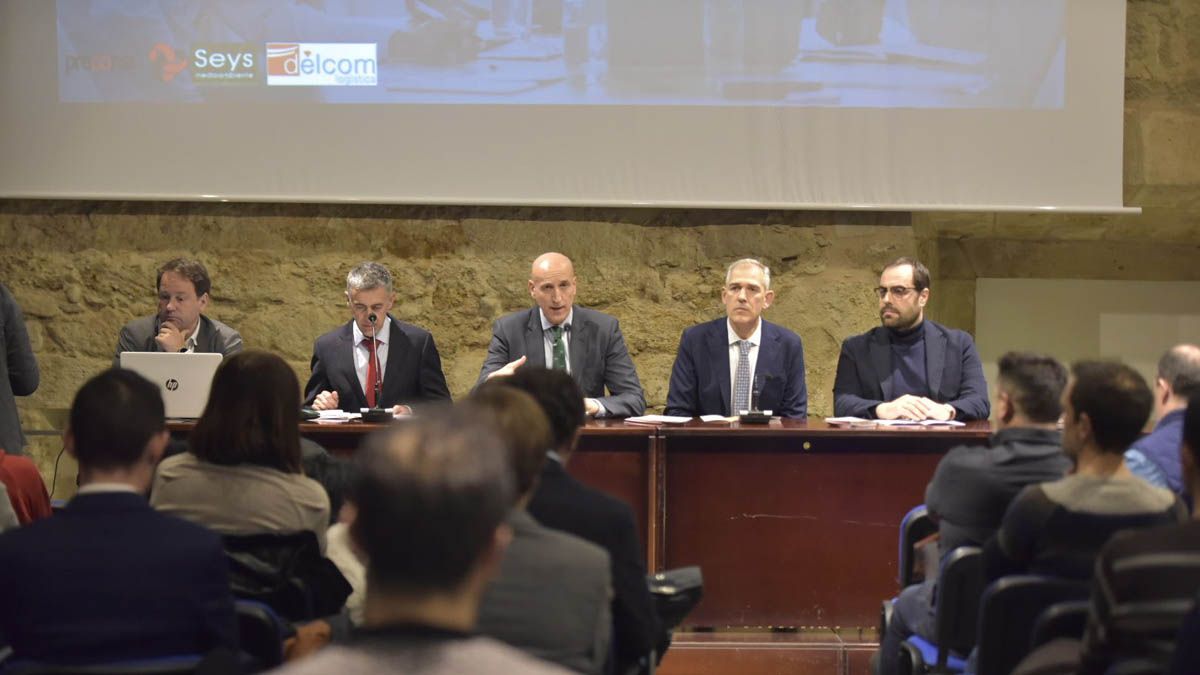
<point>847,420</point>
<point>717,418</point>
<point>336,416</point>
<point>859,421</point>
<point>658,419</point>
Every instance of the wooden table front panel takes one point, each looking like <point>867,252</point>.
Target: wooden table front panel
<point>619,459</point>
<point>788,536</point>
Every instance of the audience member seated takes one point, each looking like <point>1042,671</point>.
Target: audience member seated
<point>19,374</point>
<point>431,498</point>
<point>1104,643</point>
<point>242,474</point>
<point>8,517</point>
<point>973,485</point>
<point>1155,456</point>
<point>563,503</point>
<point>110,579</point>
<point>1057,528</point>
<point>551,595</point>
<point>26,490</point>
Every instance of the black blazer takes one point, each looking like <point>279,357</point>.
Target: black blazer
<point>413,373</point>
<point>700,377</point>
<point>19,374</point>
<point>952,369</point>
<point>563,503</point>
<point>111,579</point>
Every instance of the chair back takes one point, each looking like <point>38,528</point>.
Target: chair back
<point>1007,613</point>
<point>287,573</point>
<point>960,584</point>
<point>915,526</point>
<point>260,634</point>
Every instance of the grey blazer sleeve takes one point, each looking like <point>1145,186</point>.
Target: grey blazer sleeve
<point>227,341</point>
<point>497,354</point>
<point>625,396</point>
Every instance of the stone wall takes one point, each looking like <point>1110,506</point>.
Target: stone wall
<point>81,269</point>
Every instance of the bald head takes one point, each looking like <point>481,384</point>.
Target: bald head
<point>552,286</point>
<point>1179,374</point>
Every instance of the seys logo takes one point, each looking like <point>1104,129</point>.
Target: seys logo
<point>321,64</point>
<point>169,64</point>
<point>224,63</point>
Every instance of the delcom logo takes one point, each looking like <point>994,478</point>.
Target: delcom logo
<point>321,64</point>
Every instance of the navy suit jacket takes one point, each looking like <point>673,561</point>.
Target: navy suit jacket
<point>563,503</point>
<point>596,349</point>
<point>952,369</point>
<point>700,378</point>
<point>111,579</point>
<point>413,373</point>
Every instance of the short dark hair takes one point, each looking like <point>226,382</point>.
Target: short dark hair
<point>519,421</point>
<point>920,271</point>
<point>192,270</point>
<point>1116,400</point>
<point>1035,382</point>
<point>113,416</point>
<point>1191,427</point>
<point>1180,369</point>
<point>430,494</point>
<point>560,398</point>
<point>252,415</point>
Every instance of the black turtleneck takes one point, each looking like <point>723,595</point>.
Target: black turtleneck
<point>908,362</point>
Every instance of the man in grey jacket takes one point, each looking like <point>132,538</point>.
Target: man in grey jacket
<point>559,334</point>
<point>18,371</point>
<point>179,325</point>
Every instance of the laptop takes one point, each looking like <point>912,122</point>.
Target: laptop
<point>184,379</point>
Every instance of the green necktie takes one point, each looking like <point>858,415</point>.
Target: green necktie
<point>559,348</point>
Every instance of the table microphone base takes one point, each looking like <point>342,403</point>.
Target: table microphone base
<point>378,415</point>
<point>755,417</point>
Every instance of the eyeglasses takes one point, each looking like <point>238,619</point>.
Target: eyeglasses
<point>896,291</point>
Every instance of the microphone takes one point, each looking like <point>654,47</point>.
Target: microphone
<point>754,415</point>
<point>377,413</point>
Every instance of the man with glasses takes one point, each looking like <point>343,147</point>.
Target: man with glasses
<point>909,368</point>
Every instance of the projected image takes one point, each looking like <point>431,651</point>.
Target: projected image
<point>837,53</point>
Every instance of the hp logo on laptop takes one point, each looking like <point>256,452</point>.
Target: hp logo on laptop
<point>172,384</point>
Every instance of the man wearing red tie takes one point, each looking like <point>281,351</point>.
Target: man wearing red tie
<point>374,361</point>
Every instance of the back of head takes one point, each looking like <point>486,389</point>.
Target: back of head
<point>1034,383</point>
<point>520,423</point>
<point>560,398</point>
<point>1115,398</point>
<point>1180,369</point>
<point>113,417</point>
<point>252,415</point>
<point>430,494</point>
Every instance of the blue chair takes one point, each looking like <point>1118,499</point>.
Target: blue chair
<point>260,634</point>
<point>960,583</point>
<point>915,526</point>
<point>184,664</point>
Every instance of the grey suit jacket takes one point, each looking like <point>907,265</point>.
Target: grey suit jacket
<point>599,357</point>
<point>19,374</point>
<point>213,337</point>
<point>551,597</point>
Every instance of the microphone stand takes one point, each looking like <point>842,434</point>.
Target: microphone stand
<point>377,414</point>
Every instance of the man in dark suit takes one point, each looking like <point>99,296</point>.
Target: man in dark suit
<point>721,363</point>
<point>909,368</point>
<point>558,334</point>
<point>396,369</point>
<point>18,371</point>
<point>563,503</point>
<point>111,579</point>
<point>180,325</point>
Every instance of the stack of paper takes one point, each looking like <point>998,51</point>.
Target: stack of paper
<point>658,419</point>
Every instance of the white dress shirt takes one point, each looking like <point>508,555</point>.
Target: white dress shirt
<point>734,352</point>
<point>362,355</point>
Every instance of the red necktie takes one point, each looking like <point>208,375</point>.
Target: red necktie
<point>372,371</point>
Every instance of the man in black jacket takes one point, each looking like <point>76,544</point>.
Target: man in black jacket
<point>563,503</point>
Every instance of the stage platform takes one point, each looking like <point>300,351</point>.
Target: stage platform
<point>802,652</point>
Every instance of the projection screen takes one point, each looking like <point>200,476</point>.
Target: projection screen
<point>876,104</point>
